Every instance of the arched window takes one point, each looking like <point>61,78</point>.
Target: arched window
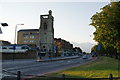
<point>45,26</point>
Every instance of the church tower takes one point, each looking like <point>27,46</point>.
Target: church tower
<point>46,34</point>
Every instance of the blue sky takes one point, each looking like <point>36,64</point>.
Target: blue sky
<point>71,19</point>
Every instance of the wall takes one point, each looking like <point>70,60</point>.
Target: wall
<point>26,55</point>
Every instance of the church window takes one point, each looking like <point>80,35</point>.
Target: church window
<point>45,16</point>
<point>45,26</point>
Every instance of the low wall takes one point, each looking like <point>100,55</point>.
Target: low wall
<point>25,55</point>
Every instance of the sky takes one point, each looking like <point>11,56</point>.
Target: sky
<point>71,18</point>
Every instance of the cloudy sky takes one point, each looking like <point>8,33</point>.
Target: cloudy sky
<point>71,19</point>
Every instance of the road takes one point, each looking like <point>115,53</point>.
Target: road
<point>31,67</point>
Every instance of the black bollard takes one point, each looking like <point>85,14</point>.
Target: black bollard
<point>111,77</point>
<point>18,75</point>
<point>63,75</point>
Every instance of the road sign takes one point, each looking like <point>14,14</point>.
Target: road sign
<point>98,48</point>
<point>54,48</point>
<point>14,47</point>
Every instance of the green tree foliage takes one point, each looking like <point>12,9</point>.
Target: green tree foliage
<point>107,24</point>
<point>109,51</point>
<point>101,51</point>
<point>77,49</point>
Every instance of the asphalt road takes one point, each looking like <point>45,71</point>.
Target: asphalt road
<point>31,67</point>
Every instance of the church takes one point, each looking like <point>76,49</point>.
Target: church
<point>43,37</point>
<point>46,34</point>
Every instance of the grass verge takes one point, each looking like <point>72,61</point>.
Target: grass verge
<point>100,68</point>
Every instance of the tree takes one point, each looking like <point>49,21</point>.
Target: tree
<point>107,24</point>
<point>77,49</point>
<point>101,51</point>
<point>108,50</point>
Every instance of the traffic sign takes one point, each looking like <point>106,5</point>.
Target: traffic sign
<point>14,47</point>
<point>98,48</point>
<point>54,48</point>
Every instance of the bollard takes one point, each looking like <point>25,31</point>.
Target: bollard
<point>111,77</point>
<point>18,75</point>
<point>38,59</point>
<point>63,75</point>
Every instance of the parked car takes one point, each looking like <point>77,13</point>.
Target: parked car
<point>84,57</point>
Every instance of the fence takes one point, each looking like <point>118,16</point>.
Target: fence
<point>63,77</point>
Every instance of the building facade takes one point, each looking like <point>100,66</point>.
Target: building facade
<point>28,36</point>
<point>46,34</point>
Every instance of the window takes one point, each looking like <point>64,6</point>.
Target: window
<point>31,41</point>
<point>45,16</point>
<point>25,33</point>
<point>45,25</point>
<point>25,41</point>
<point>25,37</point>
<point>31,37</point>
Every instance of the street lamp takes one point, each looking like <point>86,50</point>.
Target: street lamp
<point>14,46</point>
<point>15,32</point>
<point>3,24</point>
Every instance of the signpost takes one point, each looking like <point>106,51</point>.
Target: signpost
<point>54,49</point>
<point>14,48</point>
<point>38,54</point>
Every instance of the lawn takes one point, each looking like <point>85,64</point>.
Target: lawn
<point>99,68</point>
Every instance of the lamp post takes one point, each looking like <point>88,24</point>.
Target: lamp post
<point>14,46</point>
<point>15,32</point>
<point>3,24</point>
